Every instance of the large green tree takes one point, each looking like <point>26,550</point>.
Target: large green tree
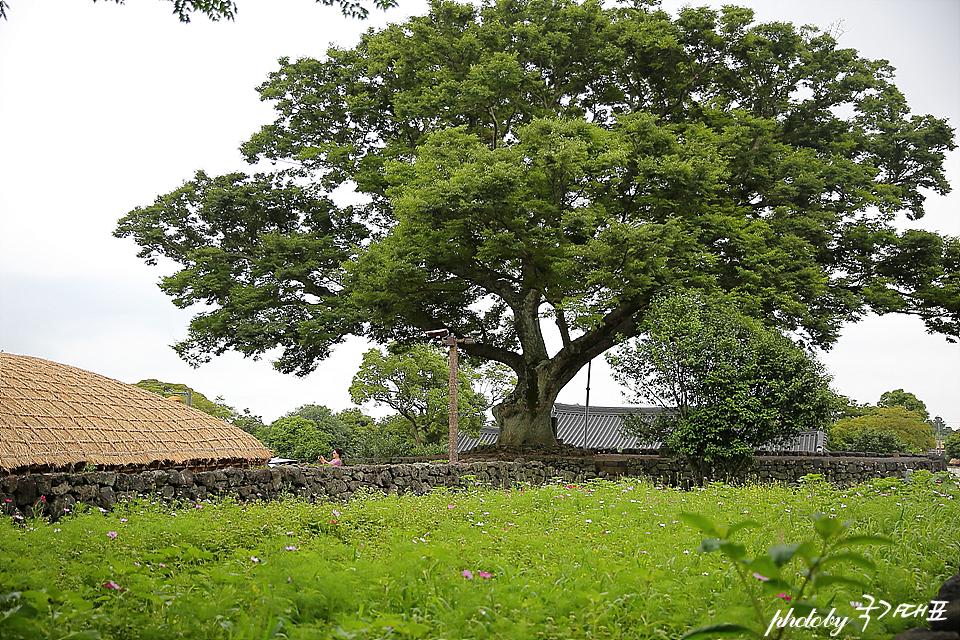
<point>527,162</point>
<point>729,385</point>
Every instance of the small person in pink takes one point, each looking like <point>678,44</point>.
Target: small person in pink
<point>336,462</point>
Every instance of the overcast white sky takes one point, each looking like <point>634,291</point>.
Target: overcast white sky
<point>104,107</point>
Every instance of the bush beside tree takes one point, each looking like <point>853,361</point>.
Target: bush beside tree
<point>297,438</point>
<point>730,384</point>
<point>907,426</point>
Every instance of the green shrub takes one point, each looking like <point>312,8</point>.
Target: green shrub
<point>952,446</point>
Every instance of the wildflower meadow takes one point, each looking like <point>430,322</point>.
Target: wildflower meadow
<point>593,560</point>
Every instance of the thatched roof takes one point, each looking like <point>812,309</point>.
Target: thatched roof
<point>53,416</point>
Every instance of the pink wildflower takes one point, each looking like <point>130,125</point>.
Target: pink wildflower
<point>784,596</point>
<point>111,534</point>
<point>760,577</point>
<point>290,548</point>
<point>466,574</point>
<point>113,585</point>
<point>484,574</point>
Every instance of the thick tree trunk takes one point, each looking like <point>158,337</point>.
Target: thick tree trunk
<point>524,417</point>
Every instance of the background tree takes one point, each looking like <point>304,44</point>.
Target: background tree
<point>845,407</point>
<point>729,384</point>
<point>951,446</point>
<point>250,423</point>
<point>873,438</point>
<point>415,383</point>
<point>338,431</point>
<point>217,407</point>
<point>297,438</point>
<point>909,427</point>
<point>390,437</point>
<point>541,161</point>
<point>905,399</point>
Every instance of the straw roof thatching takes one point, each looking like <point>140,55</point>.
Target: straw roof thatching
<point>55,417</point>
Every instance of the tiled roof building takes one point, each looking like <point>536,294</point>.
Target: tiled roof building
<point>600,428</point>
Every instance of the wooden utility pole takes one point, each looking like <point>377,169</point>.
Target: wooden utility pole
<point>451,341</point>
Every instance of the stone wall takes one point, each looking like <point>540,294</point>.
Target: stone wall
<point>55,494</point>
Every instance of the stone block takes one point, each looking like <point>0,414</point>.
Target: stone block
<point>26,491</point>
<point>107,498</point>
<point>950,589</point>
<point>60,489</point>
<point>951,618</point>
<point>87,493</point>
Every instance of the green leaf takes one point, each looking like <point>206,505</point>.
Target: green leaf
<point>782,554</point>
<point>732,550</point>
<point>851,557</point>
<point>708,544</point>
<point>722,630</point>
<point>765,566</point>
<point>20,612</point>
<point>807,550</point>
<point>700,522</point>
<point>825,526</point>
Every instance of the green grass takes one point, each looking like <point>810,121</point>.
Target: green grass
<point>598,560</point>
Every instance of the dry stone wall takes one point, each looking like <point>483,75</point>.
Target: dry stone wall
<point>53,495</point>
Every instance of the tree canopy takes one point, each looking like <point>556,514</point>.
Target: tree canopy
<point>951,446</point>
<point>217,407</point>
<point>909,427</point>
<point>729,384</point>
<point>336,429</point>
<point>415,383</point>
<point>227,9</point>
<point>905,399</point>
<point>297,438</point>
<point>528,163</point>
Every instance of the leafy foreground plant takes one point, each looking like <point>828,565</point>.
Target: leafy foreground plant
<point>763,574</point>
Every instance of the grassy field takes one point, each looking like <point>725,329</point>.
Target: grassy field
<point>596,560</point>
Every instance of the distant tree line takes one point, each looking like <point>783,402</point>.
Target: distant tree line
<point>412,381</point>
